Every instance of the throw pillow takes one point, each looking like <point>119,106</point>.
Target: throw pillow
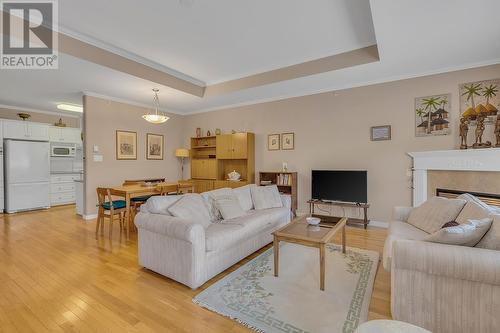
<point>469,197</point>
<point>265,197</point>
<point>467,234</point>
<point>435,212</point>
<point>450,224</point>
<point>191,207</point>
<point>491,240</point>
<point>209,198</point>
<point>472,211</point>
<point>229,206</point>
<point>159,204</point>
<point>245,196</point>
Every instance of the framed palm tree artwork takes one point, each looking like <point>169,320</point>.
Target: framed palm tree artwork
<point>432,115</point>
<point>480,98</point>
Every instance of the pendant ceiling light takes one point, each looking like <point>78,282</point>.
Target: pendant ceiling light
<point>156,116</point>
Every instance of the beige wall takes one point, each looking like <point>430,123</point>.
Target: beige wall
<point>39,117</point>
<point>101,119</point>
<point>333,132</point>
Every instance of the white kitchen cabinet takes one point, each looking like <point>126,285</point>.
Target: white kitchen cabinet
<point>25,130</point>
<point>65,134</point>
<point>62,188</point>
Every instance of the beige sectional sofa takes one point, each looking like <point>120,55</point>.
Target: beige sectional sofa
<point>443,288</point>
<point>190,253</point>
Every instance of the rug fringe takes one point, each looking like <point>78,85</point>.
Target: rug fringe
<point>208,307</point>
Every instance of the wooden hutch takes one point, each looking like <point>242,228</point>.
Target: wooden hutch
<point>213,157</point>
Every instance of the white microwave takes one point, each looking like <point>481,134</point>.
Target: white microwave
<point>63,150</point>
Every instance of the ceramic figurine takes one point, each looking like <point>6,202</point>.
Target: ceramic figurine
<point>198,132</point>
<point>497,131</point>
<point>208,133</point>
<point>479,133</point>
<point>464,129</point>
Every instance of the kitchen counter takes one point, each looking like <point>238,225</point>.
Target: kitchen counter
<point>66,173</point>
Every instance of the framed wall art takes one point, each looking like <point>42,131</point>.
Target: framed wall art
<point>380,133</point>
<point>154,146</point>
<point>288,141</point>
<point>437,109</point>
<point>126,145</point>
<point>273,142</point>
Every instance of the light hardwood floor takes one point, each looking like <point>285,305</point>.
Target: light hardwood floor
<point>55,276</point>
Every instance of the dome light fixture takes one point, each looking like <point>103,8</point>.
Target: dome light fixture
<point>156,117</point>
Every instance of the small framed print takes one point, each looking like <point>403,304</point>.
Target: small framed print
<point>154,146</point>
<point>126,145</point>
<point>380,133</point>
<point>273,142</point>
<point>288,141</point>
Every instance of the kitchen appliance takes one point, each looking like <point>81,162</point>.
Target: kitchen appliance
<point>27,175</point>
<point>63,150</point>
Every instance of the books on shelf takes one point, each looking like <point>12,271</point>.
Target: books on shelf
<point>266,182</point>
<point>284,179</point>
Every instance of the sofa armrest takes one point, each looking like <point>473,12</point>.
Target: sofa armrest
<point>401,213</point>
<point>286,199</point>
<point>456,262</point>
<point>174,227</point>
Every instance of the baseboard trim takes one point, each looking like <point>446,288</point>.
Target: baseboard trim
<point>89,216</point>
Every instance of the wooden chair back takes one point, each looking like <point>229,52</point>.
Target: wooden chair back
<point>102,194</point>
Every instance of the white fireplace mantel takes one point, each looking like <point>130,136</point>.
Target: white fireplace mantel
<point>453,160</point>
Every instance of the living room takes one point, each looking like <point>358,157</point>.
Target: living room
<point>236,167</point>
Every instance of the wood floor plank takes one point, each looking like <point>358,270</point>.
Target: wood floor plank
<point>56,277</point>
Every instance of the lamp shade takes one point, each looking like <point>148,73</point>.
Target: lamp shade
<point>182,152</point>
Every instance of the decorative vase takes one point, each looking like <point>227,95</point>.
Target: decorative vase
<point>198,132</point>
<point>208,133</point>
<point>218,131</point>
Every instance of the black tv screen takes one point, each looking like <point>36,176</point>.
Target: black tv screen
<point>347,186</point>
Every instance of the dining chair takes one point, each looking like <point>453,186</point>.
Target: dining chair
<point>184,187</point>
<point>109,208</point>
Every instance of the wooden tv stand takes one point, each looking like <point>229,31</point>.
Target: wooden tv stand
<point>335,219</point>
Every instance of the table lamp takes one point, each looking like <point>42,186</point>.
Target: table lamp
<point>182,153</point>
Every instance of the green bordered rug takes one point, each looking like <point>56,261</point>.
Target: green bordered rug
<point>293,301</point>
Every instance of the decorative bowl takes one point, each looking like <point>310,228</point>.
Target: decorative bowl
<point>234,175</point>
<point>313,220</point>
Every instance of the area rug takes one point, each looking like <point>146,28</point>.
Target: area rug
<point>293,301</point>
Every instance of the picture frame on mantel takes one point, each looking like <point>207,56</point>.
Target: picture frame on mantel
<point>154,146</point>
<point>380,133</point>
<point>273,142</point>
<point>126,145</point>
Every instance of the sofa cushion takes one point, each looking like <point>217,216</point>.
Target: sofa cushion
<point>245,196</point>
<point>209,198</point>
<point>229,206</point>
<point>219,236</point>
<point>397,231</point>
<point>191,207</point>
<point>159,204</point>
<point>491,239</point>
<point>466,234</point>
<point>265,197</point>
<point>472,211</point>
<point>435,212</point>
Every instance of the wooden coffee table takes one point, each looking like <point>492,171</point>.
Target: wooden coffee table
<point>299,232</point>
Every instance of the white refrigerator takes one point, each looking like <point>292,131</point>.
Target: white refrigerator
<point>27,175</point>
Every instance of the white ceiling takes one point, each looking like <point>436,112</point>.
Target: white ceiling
<point>214,41</point>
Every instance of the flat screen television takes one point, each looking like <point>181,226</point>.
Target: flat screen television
<point>341,185</point>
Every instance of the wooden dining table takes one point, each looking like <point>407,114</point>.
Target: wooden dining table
<point>138,190</point>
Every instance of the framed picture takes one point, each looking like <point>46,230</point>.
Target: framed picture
<point>154,146</point>
<point>288,141</point>
<point>126,145</point>
<point>437,109</point>
<point>273,142</point>
<point>480,98</point>
<point>380,133</point>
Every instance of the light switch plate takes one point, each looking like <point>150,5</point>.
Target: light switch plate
<point>96,149</point>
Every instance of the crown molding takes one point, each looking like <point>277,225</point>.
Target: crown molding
<point>53,113</point>
<point>129,55</point>
<point>350,86</point>
<point>126,101</point>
